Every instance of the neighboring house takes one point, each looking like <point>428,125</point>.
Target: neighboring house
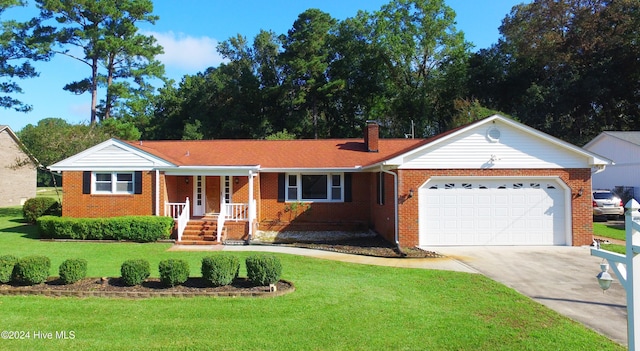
<point>492,182</point>
<point>18,170</point>
<point>624,149</point>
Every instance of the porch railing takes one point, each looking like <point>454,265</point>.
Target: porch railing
<point>178,211</point>
<point>237,211</point>
<point>221,218</point>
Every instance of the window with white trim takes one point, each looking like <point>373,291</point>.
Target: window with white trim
<point>326,187</point>
<point>113,183</point>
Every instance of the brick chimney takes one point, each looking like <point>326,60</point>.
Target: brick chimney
<point>371,136</point>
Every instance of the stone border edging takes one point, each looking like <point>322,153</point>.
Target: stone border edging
<point>144,294</point>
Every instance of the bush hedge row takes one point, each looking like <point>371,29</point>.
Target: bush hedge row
<point>220,270</point>
<point>134,228</point>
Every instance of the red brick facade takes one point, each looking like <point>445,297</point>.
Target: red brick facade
<point>77,204</point>
<point>353,215</point>
<point>362,212</point>
<point>575,179</point>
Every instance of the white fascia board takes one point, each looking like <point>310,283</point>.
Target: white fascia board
<point>101,169</point>
<point>210,170</point>
<point>313,170</point>
<point>68,163</point>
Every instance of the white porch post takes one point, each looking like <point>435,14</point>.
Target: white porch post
<point>251,207</point>
<point>157,209</point>
<point>627,269</point>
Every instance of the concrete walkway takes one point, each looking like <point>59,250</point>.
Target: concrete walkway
<point>446,263</point>
<point>559,277</point>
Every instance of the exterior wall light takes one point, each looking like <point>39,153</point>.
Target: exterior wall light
<point>410,193</point>
<point>604,278</point>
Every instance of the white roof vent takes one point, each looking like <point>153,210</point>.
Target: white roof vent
<point>493,134</point>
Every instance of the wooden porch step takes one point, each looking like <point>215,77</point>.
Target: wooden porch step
<point>197,242</point>
<point>206,237</point>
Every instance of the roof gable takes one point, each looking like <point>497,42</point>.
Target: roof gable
<point>497,142</point>
<point>112,154</point>
<point>622,147</point>
<point>19,144</point>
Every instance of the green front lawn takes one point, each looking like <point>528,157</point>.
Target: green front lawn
<point>336,306</point>
<point>608,231</point>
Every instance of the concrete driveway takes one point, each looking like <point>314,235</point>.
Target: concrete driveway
<point>561,277</point>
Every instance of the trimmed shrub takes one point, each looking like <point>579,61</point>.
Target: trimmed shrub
<point>31,270</point>
<point>36,207</point>
<point>72,270</point>
<point>220,270</point>
<point>134,272</point>
<point>263,269</point>
<point>6,267</point>
<point>173,272</point>
<point>134,228</point>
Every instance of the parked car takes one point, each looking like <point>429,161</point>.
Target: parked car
<point>607,204</point>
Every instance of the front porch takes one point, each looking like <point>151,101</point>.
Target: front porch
<point>216,209</point>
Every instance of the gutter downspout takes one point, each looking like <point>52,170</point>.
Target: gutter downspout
<point>395,204</point>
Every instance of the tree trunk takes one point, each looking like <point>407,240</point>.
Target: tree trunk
<point>94,90</point>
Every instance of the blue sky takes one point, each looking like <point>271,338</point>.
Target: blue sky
<point>189,31</point>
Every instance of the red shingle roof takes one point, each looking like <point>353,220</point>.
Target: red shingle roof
<point>325,153</point>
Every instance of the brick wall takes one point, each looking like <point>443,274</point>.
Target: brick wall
<point>319,215</point>
<point>17,173</point>
<point>575,179</point>
<point>383,216</point>
<point>77,204</point>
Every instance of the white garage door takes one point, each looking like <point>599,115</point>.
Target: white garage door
<point>488,211</point>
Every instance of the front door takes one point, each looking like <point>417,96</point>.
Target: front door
<point>213,195</point>
<point>199,195</point>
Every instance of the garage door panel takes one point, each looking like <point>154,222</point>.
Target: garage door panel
<point>492,212</point>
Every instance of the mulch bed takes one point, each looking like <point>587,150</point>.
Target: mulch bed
<point>152,287</point>
<point>370,246</point>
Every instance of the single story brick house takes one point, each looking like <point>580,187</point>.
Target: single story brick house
<point>492,182</point>
<point>18,170</point>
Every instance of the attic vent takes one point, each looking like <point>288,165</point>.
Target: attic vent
<point>493,134</point>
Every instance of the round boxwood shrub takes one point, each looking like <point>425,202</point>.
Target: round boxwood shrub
<point>220,270</point>
<point>31,270</point>
<point>263,269</point>
<point>173,272</point>
<point>40,206</point>
<point>6,267</point>
<point>72,270</point>
<point>134,272</point>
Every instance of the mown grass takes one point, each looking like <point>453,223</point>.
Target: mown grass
<point>608,231</point>
<point>49,192</point>
<point>612,232</point>
<point>336,306</point>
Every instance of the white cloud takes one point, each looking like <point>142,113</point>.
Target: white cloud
<point>187,53</point>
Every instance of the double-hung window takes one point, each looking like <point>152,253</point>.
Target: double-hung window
<point>113,183</point>
<point>315,187</point>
